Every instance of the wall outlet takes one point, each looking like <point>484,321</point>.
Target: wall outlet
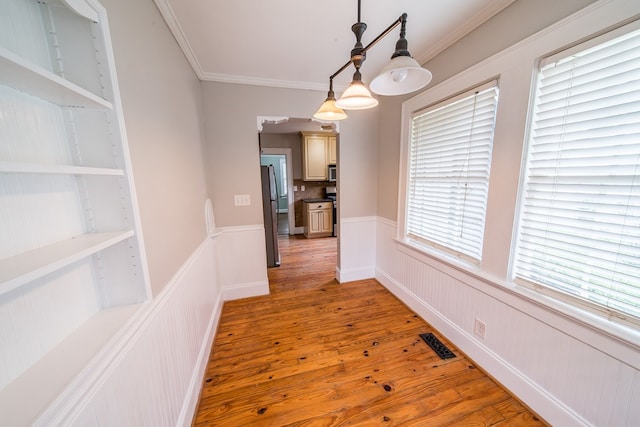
<point>302,188</point>
<point>295,188</point>
<point>242,200</point>
<point>480,328</point>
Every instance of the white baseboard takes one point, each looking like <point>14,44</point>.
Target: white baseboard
<point>162,352</point>
<point>351,275</point>
<point>192,398</point>
<point>499,369</point>
<point>245,290</point>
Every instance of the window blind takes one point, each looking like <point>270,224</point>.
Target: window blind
<point>449,162</point>
<point>579,226</point>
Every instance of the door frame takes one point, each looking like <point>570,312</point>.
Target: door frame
<point>287,152</point>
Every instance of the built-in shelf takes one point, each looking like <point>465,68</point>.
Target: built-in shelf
<point>27,77</point>
<point>37,168</point>
<point>21,269</point>
<point>65,164</point>
<point>54,372</point>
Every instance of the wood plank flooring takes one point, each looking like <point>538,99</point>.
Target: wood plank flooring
<point>318,353</point>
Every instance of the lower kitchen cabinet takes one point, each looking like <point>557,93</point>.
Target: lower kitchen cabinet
<point>318,219</point>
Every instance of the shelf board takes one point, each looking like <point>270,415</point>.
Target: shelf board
<point>37,168</point>
<point>47,379</point>
<point>23,268</point>
<point>20,74</point>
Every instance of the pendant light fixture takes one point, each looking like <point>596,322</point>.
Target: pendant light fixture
<point>328,111</point>
<point>401,75</point>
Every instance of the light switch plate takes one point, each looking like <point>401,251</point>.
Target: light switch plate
<point>242,200</point>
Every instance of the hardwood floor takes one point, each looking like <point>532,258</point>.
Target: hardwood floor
<point>318,353</point>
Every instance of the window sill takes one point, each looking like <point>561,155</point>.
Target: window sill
<point>593,325</point>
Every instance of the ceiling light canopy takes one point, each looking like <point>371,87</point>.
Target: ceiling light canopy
<point>401,75</point>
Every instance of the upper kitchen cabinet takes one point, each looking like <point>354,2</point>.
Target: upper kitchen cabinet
<point>318,152</point>
<point>333,156</point>
<point>72,264</point>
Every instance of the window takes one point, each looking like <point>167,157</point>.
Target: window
<point>579,224</point>
<point>449,162</point>
<point>283,174</point>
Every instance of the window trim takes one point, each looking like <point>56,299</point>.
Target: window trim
<point>427,244</point>
<point>515,65</point>
<point>548,292</point>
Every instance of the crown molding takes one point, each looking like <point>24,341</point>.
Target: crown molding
<point>175,28</point>
<point>167,13</point>
<point>258,81</point>
<point>471,24</point>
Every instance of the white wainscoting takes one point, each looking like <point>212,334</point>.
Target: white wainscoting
<point>151,374</point>
<point>357,249</point>
<point>568,373</point>
<point>241,255</point>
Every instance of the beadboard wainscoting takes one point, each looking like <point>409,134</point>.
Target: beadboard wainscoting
<point>151,373</point>
<point>568,372</point>
<point>357,254</point>
<point>242,261</point>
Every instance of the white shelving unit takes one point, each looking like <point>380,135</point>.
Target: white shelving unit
<point>72,265</point>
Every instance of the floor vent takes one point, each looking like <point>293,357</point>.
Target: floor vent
<point>437,346</point>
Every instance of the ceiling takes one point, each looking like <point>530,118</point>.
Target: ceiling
<point>299,44</point>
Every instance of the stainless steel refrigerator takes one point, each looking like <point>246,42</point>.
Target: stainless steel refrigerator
<point>269,209</point>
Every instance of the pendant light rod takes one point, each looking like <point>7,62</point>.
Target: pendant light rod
<point>401,20</point>
<point>401,75</point>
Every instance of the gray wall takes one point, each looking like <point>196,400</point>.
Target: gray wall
<point>518,21</point>
<point>233,157</point>
<point>162,105</point>
<point>286,140</point>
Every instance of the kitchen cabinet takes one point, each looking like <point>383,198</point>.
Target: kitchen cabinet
<point>333,157</point>
<point>318,152</point>
<point>72,264</point>
<point>318,218</point>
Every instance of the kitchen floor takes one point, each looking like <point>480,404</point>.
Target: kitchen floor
<point>283,224</point>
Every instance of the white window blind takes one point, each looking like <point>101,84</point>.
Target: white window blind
<point>449,162</point>
<point>579,227</point>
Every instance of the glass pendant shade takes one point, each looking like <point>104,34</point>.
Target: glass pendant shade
<point>356,97</point>
<point>328,111</point>
<point>401,75</point>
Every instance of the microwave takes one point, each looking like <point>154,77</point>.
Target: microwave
<point>333,173</point>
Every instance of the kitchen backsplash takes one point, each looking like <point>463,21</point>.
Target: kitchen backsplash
<point>312,190</point>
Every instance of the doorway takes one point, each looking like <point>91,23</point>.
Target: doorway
<point>281,159</point>
<point>281,136</point>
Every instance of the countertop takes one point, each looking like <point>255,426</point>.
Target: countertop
<point>318,200</point>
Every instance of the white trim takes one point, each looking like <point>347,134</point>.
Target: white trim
<point>241,228</point>
<point>172,22</point>
<point>584,23</point>
<point>462,30</point>
<point>359,220</point>
<point>499,368</point>
<point>452,37</point>
<point>258,81</point>
<point>245,290</point>
<point>521,298</point>
<point>83,8</point>
<point>79,393</point>
<point>353,274</point>
<point>288,153</point>
<point>273,120</point>
<point>192,398</point>
<point>357,248</point>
